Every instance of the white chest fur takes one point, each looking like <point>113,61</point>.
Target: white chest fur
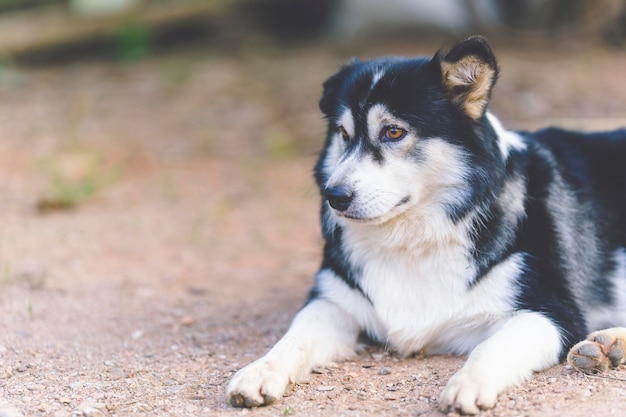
<point>420,291</point>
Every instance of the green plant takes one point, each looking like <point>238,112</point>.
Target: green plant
<point>132,41</point>
<point>71,178</point>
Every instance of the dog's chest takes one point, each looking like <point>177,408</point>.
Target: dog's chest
<point>424,300</point>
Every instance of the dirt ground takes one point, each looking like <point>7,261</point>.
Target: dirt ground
<point>192,233</point>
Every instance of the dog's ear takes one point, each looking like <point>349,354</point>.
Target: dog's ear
<point>329,95</point>
<point>328,102</point>
<point>468,73</point>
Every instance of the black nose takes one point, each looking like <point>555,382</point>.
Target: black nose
<point>338,197</point>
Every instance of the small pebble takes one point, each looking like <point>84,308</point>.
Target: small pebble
<point>89,409</point>
<point>325,388</point>
<point>76,385</point>
<point>173,389</point>
<point>10,412</point>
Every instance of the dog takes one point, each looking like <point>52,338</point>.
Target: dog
<point>447,234</point>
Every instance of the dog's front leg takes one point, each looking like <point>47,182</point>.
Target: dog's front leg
<point>321,333</point>
<point>527,342</point>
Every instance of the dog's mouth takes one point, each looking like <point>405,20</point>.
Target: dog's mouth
<point>355,216</point>
<point>405,200</point>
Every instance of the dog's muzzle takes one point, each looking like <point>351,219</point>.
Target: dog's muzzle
<point>338,197</point>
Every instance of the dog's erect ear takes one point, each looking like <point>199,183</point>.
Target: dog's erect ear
<point>468,72</point>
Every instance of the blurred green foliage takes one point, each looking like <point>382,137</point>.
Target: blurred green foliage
<point>72,178</point>
<point>132,41</point>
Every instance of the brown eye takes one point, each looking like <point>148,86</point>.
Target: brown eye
<point>344,133</point>
<point>392,133</point>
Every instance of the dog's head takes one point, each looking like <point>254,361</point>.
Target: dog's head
<point>409,134</point>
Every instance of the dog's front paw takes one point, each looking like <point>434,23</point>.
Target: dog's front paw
<point>601,350</point>
<point>260,383</point>
<point>468,392</point>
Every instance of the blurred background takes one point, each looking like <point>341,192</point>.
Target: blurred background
<point>45,30</point>
<point>242,77</point>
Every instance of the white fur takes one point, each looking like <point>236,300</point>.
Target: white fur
<point>420,292</point>
<point>334,152</point>
<point>336,147</point>
<point>507,139</point>
<point>375,195</point>
<point>618,279</point>
<point>379,116</point>
<point>380,189</point>
<point>320,333</point>
<point>334,289</point>
<point>376,77</point>
<point>578,237</point>
<point>602,316</point>
<point>527,342</point>
<point>347,121</point>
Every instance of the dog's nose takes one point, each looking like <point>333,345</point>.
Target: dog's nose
<point>338,197</point>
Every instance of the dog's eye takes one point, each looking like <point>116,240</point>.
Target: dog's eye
<point>344,133</point>
<point>393,133</point>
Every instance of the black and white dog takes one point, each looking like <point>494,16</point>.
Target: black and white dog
<point>446,233</point>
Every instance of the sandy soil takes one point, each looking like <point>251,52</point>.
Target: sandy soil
<point>193,237</point>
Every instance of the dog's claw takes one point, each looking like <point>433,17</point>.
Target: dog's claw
<point>240,400</point>
<point>237,400</point>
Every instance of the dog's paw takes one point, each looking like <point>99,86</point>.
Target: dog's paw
<point>260,383</point>
<point>602,350</point>
<point>468,392</point>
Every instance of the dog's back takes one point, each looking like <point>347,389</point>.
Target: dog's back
<point>576,227</point>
